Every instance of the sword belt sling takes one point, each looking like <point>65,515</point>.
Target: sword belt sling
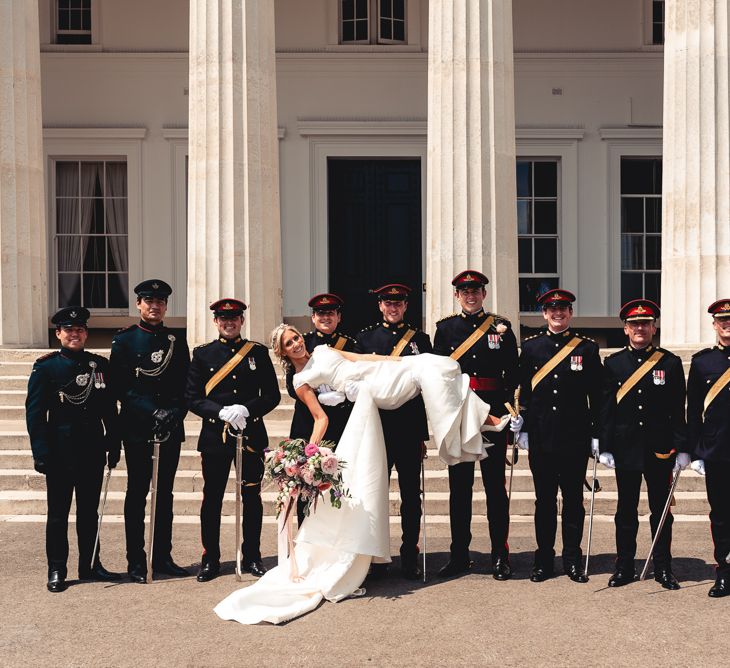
<point>477,334</point>
<point>228,367</point>
<point>554,361</point>
<point>402,343</point>
<point>638,375</point>
<point>718,387</point>
<point>341,342</point>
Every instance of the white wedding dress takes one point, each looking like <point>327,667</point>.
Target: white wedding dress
<point>335,547</point>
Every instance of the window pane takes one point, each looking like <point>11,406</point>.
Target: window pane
<point>116,253</point>
<point>118,291</point>
<point>63,19</point>
<point>657,36</point>
<point>91,175</point>
<point>69,290</point>
<point>95,254</point>
<point>67,179</point>
<point>94,290</point>
<point>86,20</point>
<point>399,31</point>
<point>348,10</point>
<point>348,31</point>
<point>97,217</point>
<point>386,29</point>
<point>385,8</point>
<point>524,217</point>
<point>67,216</point>
<point>546,217</point>
<point>361,30</point>
<point>361,9</point>
<point>116,179</point>
<point>653,215</point>
<point>653,252</point>
<point>546,256</point>
<point>653,287</point>
<point>69,253</point>
<point>631,287</point>
<point>399,10</point>
<point>524,254</point>
<point>116,216</point>
<point>546,179</point>
<point>632,252</point>
<point>531,288</point>
<point>524,178</point>
<point>641,176</point>
<point>64,4</point>
<point>632,215</point>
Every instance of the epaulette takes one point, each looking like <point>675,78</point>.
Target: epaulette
<point>53,353</point>
<point>534,336</point>
<point>586,338</point>
<point>702,352</point>
<point>613,354</point>
<point>368,329</point>
<point>448,317</point>
<point>203,345</point>
<point>126,329</point>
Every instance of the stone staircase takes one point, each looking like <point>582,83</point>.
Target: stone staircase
<point>22,490</point>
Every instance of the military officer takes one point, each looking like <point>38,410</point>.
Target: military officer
<point>708,420</point>
<point>231,380</point>
<point>71,415</point>
<point>486,349</point>
<point>560,380</point>
<point>150,365</point>
<point>326,319</point>
<point>644,432</point>
<point>405,429</point>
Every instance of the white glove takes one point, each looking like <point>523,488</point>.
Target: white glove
<point>515,424</point>
<point>595,449</point>
<point>523,442</point>
<point>323,389</point>
<point>681,462</point>
<point>352,389</point>
<point>225,414</point>
<point>699,466</point>
<point>331,398</point>
<point>238,415</point>
<point>607,460</point>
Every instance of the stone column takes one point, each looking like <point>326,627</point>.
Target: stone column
<point>234,245</point>
<point>471,208</point>
<point>696,164</point>
<point>23,271</point>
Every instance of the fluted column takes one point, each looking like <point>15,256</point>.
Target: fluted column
<point>471,208</point>
<point>234,245</point>
<point>696,181</point>
<point>23,272</point>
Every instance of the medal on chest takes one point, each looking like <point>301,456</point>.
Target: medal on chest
<point>414,348</point>
<point>659,378</point>
<point>252,364</point>
<point>493,341</point>
<point>82,379</point>
<point>576,363</point>
<point>156,356</point>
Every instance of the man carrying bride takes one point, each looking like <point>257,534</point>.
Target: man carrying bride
<point>405,428</point>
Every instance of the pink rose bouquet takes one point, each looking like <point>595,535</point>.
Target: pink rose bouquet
<point>305,470</point>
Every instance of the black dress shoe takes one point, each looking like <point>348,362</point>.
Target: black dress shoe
<point>56,582</point>
<point>575,573</point>
<point>138,573</point>
<point>100,574</point>
<point>501,569</point>
<point>453,567</point>
<point>169,567</point>
<point>378,571</point>
<point>540,574</point>
<point>411,571</point>
<point>621,577</point>
<point>255,567</point>
<point>208,571</point>
<point>720,588</point>
<point>666,579</point>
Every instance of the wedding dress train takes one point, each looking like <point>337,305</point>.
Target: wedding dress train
<point>335,547</point>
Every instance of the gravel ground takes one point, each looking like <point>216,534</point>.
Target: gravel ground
<point>472,620</point>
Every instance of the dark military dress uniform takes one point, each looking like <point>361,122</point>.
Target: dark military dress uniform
<point>404,429</point>
<point>709,440</point>
<point>150,365</point>
<point>491,364</point>
<point>337,416</point>
<point>561,416</point>
<point>643,433</point>
<point>71,414</point>
<point>253,384</point>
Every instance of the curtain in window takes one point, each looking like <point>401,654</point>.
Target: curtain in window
<point>67,223</point>
<point>116,224</point>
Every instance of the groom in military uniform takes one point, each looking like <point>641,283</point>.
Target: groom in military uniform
<point>231,382</point>
<point>71,413</point>
<point>150,365</point>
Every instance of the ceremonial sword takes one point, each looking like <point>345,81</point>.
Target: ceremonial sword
<point>665,512</point>
<point>156,440</point>
<point>107,477</point>
<point>238,434</point>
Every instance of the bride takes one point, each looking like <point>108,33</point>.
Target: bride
<point>335,547</point>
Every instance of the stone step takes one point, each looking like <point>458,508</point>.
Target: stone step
<point>33,502</point>
<point>13,368</point>
<point>14,382</point>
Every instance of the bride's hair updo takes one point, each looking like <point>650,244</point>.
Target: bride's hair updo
<point>276,336</point>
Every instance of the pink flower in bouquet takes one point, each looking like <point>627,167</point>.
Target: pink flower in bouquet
<point>311,449</point>
<point>329,465</point>
<point>324,451</point>
<point>324,486</point>
<point>308,475</point>
<point>292,470</point>
<point>279,455</point>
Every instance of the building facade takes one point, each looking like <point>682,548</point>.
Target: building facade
<point>272,149</point>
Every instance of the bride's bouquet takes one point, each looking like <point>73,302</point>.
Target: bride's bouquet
<point>305,470</point>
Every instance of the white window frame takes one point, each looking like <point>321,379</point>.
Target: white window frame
<point>560,144</point>
<point>648,27</point>
<point>61,144</point>
<point>412,41</point>
<point>49,32</point>
<point>620,143</point>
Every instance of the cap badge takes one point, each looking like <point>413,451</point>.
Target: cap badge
<point>725,306</point>
<point>227,306</point>
<point>73,314</point>
<point>640,309</point>
<point>155,285</point>
<point>468,277</point>
<point>324,300</point>
<point>393,291</point>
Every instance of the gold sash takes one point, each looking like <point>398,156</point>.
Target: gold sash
<point>477,334</point>
<point>554,361</point>
<point>402,343</point>
<point>638,375</point>
<point>341,343</point>
<point>718,387</point>
<point>228,367</point>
